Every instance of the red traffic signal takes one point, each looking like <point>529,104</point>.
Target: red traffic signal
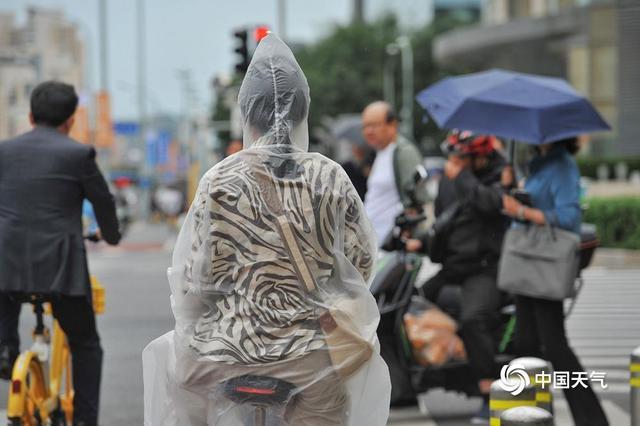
<point>260,32</point>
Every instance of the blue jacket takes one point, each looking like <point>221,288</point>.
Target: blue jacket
<point>554,185</point>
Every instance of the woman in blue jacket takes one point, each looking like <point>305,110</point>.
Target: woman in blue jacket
<point>554,186</point>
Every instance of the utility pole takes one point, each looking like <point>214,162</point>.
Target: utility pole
<point>389,79</point>
<point>103,136</point>
<point>282,19</point>
<point>142,107</point>
<point>104,71</point>
<point>358,11</point>
<point>406,113</point>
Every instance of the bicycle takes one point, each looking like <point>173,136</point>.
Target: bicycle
<point>34,400</point>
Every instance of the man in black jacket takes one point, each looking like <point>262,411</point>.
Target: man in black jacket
<point>44,178</point>
<point>472,246</point>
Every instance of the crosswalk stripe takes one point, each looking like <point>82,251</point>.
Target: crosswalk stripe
<point>604,361</point>
<point>615,414</point>
<point>610,343</point>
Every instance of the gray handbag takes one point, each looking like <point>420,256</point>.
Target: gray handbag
<point>539,261</point>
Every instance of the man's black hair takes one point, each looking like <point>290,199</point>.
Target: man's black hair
<point>391,114</point>
<point>53,103</point>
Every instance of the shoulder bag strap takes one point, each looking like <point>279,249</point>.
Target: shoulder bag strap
<point>287,234</point>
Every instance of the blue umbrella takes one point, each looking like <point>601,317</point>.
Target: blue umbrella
<point>510,105</point>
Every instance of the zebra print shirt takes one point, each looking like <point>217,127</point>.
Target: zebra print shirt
<point>258,312</point>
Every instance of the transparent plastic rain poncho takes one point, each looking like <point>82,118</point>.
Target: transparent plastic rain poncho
<point>248,332</point>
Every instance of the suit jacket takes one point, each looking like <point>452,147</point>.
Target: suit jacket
<point>44,178</point>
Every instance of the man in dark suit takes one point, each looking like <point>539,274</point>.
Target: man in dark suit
<point>44,178</point>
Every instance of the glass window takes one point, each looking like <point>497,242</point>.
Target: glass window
<point>604,70</point>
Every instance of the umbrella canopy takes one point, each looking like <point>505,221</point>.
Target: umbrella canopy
<point>522,107</point>
<point>349,127</point>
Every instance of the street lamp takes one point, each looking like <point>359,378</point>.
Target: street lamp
<point>401,46</point>
<point>406,113</point>
<point>389,84</point>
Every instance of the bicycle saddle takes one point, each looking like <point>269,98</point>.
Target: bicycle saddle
<point>258,390</point>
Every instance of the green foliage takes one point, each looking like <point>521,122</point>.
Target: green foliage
<point>222,113</point>
<point>345,69</point>
<point>428,72</point>
<point>589,165</point>
<point>617,219</point>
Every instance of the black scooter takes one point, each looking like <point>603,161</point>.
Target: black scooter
<point>395,285</point>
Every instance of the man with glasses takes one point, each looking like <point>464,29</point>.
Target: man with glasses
<point>388,184</point>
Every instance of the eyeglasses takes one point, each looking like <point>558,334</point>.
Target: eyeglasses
<point>374,125</point>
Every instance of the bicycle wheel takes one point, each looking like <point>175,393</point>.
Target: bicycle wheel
<point>33,395</point>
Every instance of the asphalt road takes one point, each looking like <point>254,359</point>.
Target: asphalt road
<point>603,329</point>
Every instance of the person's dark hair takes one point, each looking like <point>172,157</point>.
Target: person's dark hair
<point>259,109</point>
<point>53,103</point>
<point>571,144</point>
<point>391,114</point>
<point>261,114</point>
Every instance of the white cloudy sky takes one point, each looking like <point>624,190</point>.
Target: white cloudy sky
<point>195,35</point>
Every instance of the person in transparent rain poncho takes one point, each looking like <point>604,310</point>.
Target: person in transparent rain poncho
<point>251,326</point>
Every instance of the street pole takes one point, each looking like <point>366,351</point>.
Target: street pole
<point>142,109</point>
<point>358,11</point>
<point>104,71</point>
<point>406,113</point>
<point>389,83</point>
<point>282,19</point>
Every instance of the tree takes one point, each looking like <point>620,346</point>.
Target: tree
<point>427,72</point>
<point>345,69</point>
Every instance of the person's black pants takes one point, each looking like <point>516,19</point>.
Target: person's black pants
<point>480,305</point>
<point>540,332</point>
<point>76,317</point>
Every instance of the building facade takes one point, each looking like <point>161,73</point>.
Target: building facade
<point>46,47</point>
<point>593,44</point>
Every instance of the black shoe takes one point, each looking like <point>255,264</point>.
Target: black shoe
<point>8,357</point>
<point>482,416</point>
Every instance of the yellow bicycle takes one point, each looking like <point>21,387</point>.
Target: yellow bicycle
<point>31,401</point>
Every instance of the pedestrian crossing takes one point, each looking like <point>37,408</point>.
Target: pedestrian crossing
<point>604,327</point>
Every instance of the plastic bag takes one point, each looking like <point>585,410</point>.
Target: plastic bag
<point>432,334</point>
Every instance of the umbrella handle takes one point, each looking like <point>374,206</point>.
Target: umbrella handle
<point>511,161</point>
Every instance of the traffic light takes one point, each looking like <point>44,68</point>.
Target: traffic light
<point>260,32</point>
<point>243,50</point>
